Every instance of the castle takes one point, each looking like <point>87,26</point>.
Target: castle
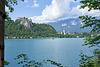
<point>24,18</point>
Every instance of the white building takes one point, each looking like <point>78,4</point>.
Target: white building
<point>64,32</point>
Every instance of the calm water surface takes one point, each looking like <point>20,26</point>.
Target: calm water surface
<point>62,50</point>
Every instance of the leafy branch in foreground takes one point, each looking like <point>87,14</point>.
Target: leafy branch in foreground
<point>91,4</point>
<point>91,21</point>
<point>32,63</point>
<point>9,4</point>
<point>27,63</point>
<point>90,61</point>
<point>55,63</point>
<point>6,63</point>
<point>94,22</point>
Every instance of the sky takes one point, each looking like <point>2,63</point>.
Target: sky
<point>44,11</point>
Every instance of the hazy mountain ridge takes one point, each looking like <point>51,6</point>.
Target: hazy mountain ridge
<point>70,25</point>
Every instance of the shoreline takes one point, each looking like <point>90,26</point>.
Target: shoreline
<point>34,38</point>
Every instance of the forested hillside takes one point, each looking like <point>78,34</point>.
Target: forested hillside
<point>24,28</point>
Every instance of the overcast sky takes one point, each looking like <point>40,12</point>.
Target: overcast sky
<point>43,11</point>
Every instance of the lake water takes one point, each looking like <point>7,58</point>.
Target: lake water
<point>62,50</point>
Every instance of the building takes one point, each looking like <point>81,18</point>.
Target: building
<point>7,37</point>
<point>29,19</point>
<point>19,17</point>
<point>30,37</point>
<point>58,32</point>
<point>64,32</point>
<point>61,32</point>
<point>26,18</point>
<point>91,35</point>
<point>77,36</point>
<point>22,18</point>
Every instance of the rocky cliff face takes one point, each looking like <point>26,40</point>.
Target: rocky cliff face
<point>26,22</point>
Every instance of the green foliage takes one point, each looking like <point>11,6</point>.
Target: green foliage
<point>10,4</point>
<point>55,63</point>
<point>6,63</point>
<point>25,62</point>
<point>80,35</point>
<point>18,29</point>
<point>91,21</point>
<point>15,29</point>
<point>28,63</point>
<point>91,4</point>
<point>91,61</point>
<point>7,17</point>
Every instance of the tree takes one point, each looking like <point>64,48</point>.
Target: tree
<point>91,61</point>
<point>91,21</point>
<point>9,4</point>
<point>2,17</point>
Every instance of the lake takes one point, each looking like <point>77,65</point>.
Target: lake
<point>62,50</point>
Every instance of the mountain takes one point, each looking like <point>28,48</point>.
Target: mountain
<point>24,28</point>
<point>70,25</point>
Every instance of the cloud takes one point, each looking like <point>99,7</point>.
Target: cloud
<point>73,22</point>
<point>64,24</point>
<point>60,9</point>
<point>35,4</point>
<point>26,1</point>
<point>6,8</point>
<point>78,12</point>
<point>68,26</point>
